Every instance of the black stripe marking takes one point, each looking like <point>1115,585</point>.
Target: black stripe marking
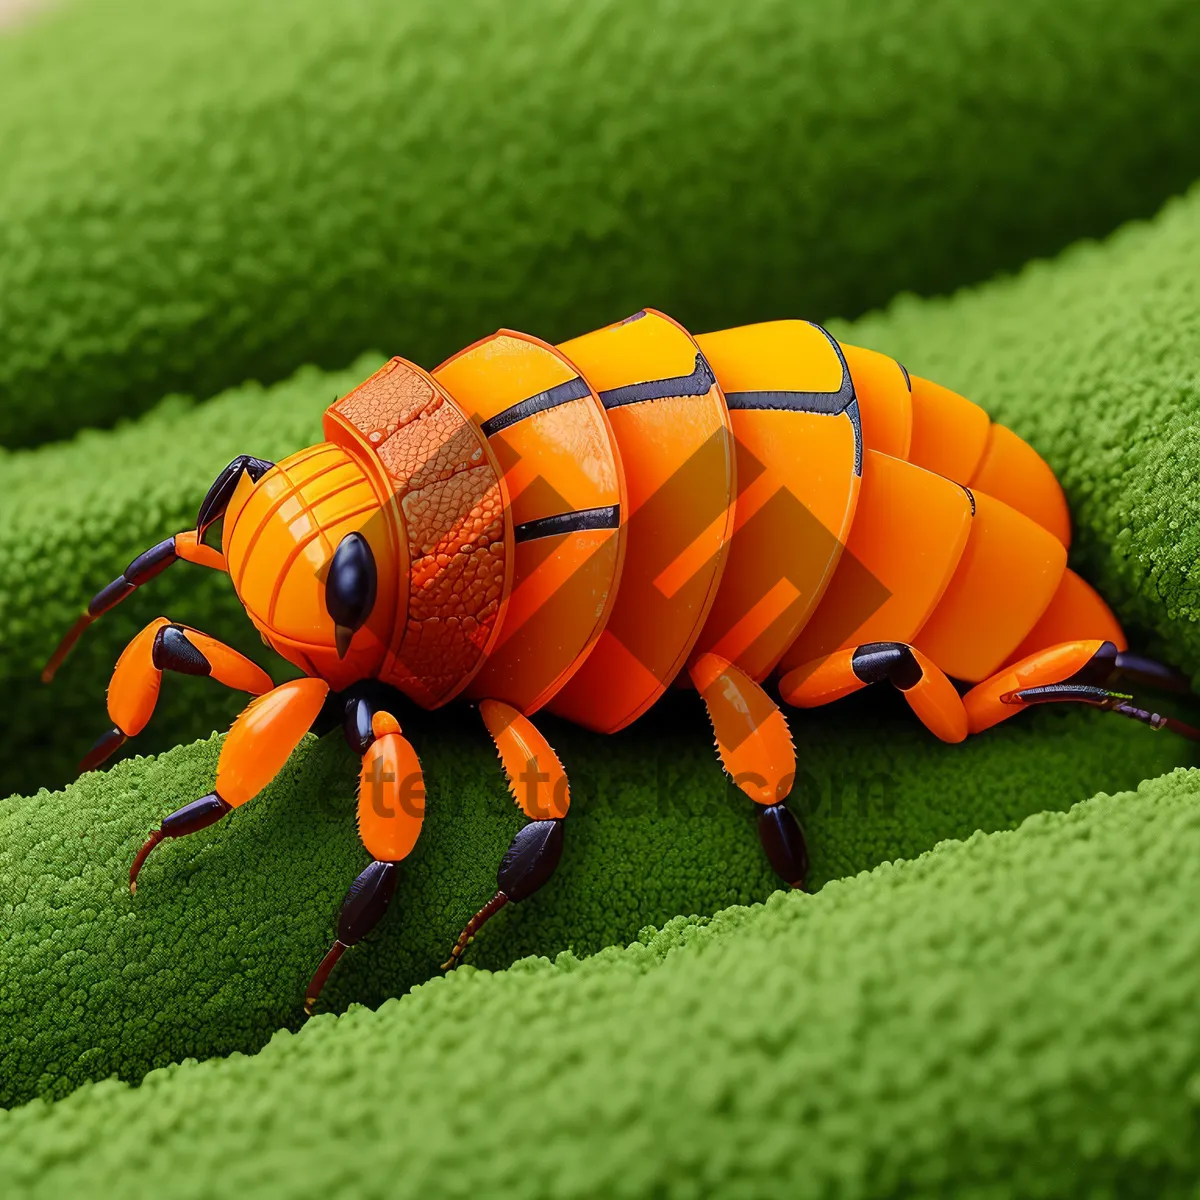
<point>970,496</point>
<point>606,517</point>
<point>856,420</point>
<point>698,383</point>
<point>844,400</point>
<point>827,403</point>
<point>560,393</point>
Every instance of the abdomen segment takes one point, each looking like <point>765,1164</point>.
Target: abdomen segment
<point>951,436</point>
<point>799,463</point>
<point>563,474</point>
<point>676,445</point>
<point>908,536</point>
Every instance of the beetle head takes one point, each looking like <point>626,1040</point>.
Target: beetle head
<point>315,564</point>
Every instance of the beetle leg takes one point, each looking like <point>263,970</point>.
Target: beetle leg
<point>145,567</point>
<point>929,693</point>
<point>1077,672</point>
<point>391,809</point>
<point>137,677</point>
<point>1149,673</point>
<point>188,545</point>
<point>256,747</point>
<point>539,785</point>
<point>755,747</point>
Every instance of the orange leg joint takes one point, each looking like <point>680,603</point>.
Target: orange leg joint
<point>137,678</point>
<point>264,736</point>
<point>536,778</point>
<point>993,700</point>
<point>190,548</point>
<point>821,681</point>
<point>753,740</point>
<point>391,809</point>
<point>391,793</point>
<point>925,687</point>
<point>255,749</point>
<point>1076,672</point>
<point>936,701</point>
<point>755,747</point>
<point>539,785</point>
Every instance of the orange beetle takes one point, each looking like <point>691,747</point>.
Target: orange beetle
<point>571,528</point>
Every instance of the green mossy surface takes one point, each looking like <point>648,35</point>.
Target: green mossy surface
<point>201,192</point>
<point>1012,1015</point>
<point>194,194</point>
<point>213,953</point>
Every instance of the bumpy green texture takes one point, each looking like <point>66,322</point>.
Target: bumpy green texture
<point>1012,1015</point>
<point>1095,358</point>
<point>205,191</point>
<point>213,953</point>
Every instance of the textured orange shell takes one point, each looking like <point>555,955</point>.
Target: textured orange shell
<point>452,515</point>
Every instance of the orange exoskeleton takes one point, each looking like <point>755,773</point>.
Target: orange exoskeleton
<point>572,528</point>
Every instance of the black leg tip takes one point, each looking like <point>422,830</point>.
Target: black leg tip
<point>783,840</point>
<point>367,901</point>
<point>473,926</point>
<point>173,652</point>
<point>531,858</point>
<point>208,810</point>
<point>106,745</point>
<point>317,983</point>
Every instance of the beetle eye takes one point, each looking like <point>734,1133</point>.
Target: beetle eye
<point>350,588</point>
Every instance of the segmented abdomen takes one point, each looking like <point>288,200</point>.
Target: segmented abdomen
<point>763,493</point>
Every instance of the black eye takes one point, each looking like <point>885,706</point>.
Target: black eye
<point>350,588</point>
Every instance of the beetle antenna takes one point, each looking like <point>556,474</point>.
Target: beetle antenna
<point>1097,697</point>
<point>189,546</point>
<point>64,647</point>
<point>143,568</point>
